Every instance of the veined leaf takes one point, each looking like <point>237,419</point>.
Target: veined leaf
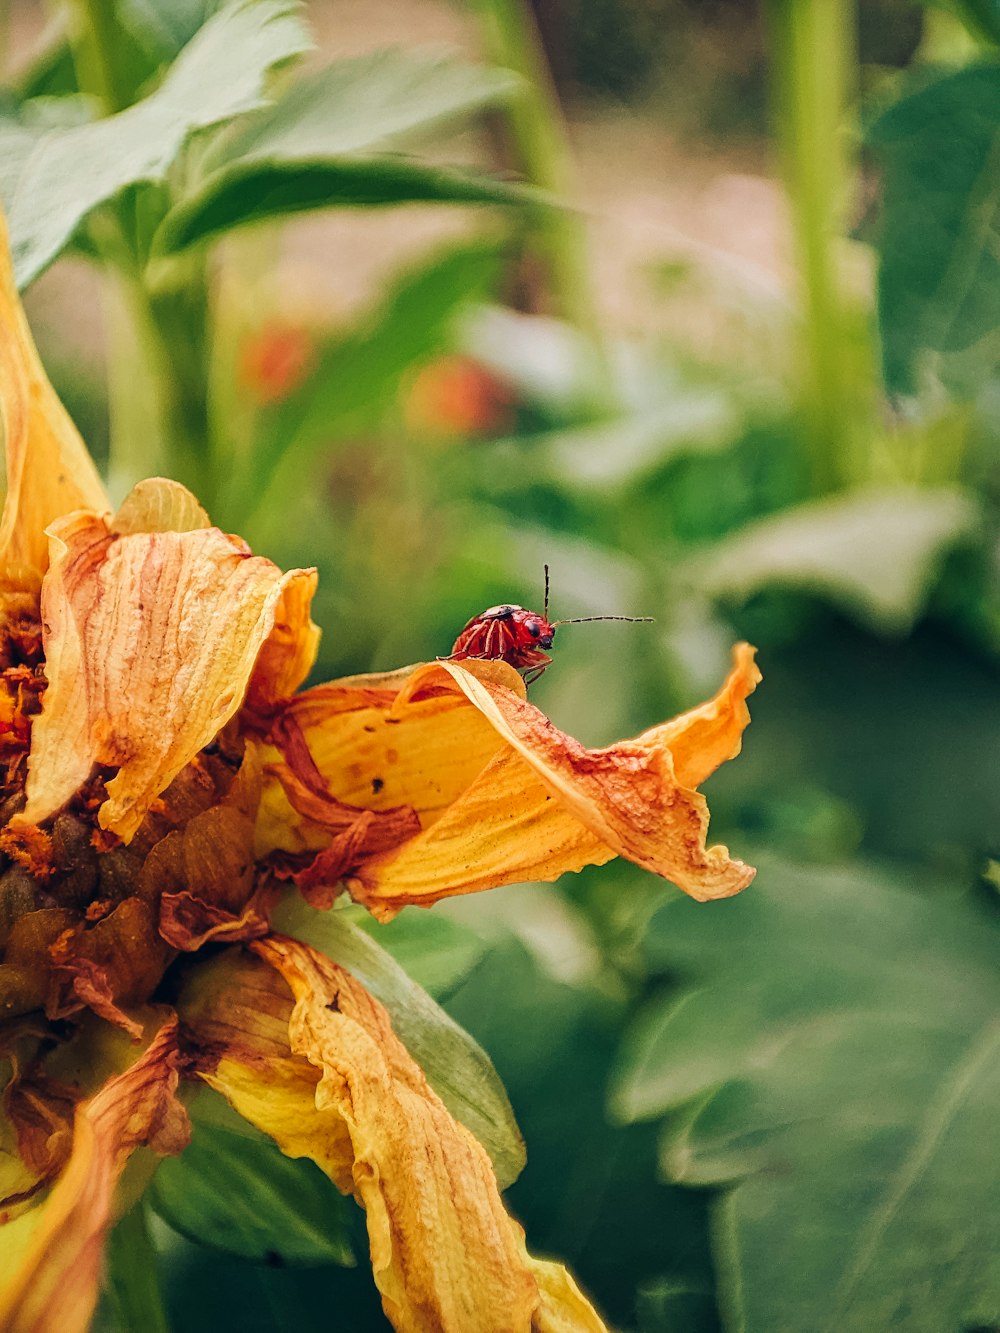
<point>939,236</point>
<point>458,1069</point>
<point>234,1190</point>
<point>51,180</point>
<point>335,139</point>
<point>839,1039</point>
<point>874,552</point>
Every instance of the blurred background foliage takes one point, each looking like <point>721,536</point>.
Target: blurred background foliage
<point>699,303</point>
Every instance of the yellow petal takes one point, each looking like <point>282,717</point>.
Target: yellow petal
<point>52,1254</point>
<point>49,472</point>
<point>446,1256</point>
<point>159,505</point>
<point>150,643</point>
<point>502,794</point>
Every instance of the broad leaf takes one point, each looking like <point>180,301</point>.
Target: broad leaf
<point>838,1040</point>
<point>981,17</point>
<point>589,1192</point>
<point>51,180</point>
<point>873,552</point>
<point>233,1190</point>
<point>335,139</point>
<point>458,1070</point>
<point>939,236</point>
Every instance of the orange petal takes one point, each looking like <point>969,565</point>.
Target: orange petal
<point>52,1254</point>
<point>504,796</point>
<point>446,1256</point>
<point>49,472</point>
<point>151,639</point>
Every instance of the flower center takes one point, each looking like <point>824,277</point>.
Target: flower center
<point>87,922</point>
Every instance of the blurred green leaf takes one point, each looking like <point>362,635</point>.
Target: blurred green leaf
<point>51,180</point>
<point>434,951</point>
<point>981,17</point>
<point>357,377</point>
<point>838,1044</point>
<point>234,1190</point>
<point>589,1192</point>
<point>873,552</point>
<point>457,1068</point>
<point>336,138</point>
<point>131,1279</point>
<point>164,27</point>
<point>939,235</point>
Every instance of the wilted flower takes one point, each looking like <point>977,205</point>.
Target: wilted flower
<point>160,785</point>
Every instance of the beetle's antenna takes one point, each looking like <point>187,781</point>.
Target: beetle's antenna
<point>582,620</point>
<point>545,610</point>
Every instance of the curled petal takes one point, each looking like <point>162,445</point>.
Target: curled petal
<point>446,1256</point>
<point>503,795</point>
<point>52,1254</point>
<point>49,472</point>
<point>151,639</point>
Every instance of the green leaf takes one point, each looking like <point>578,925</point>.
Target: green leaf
<point>981,17</point>
<point>132,1274</point>
<point>589,1192</point>
<point>234,1190</point>
<point>357,377</point>
<point>459,1071</point>
<point>873,552</point>
<point>939,236</point>
<point>51,180</point>
<point>434,951</point>
<point>837,1041</point>
<point>333,140</point>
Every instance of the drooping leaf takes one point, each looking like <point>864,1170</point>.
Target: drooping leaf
<point>233,1190</point>
<point>52,179</point>
<point>838,1042</point>
<point>939,235</point>
<point>457,1068</point>
<point>872,552</point>
<point>336,139</point>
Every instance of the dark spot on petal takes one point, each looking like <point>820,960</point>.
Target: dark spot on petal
<point>377,785</point>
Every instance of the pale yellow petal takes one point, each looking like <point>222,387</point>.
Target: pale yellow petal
<point>563,1307</point>
<point>49,472</point>
<point>151,639</point>
<point>382,742</point>
<point>159,505</point>
<point>446,1256</point>
<point>52,1254</point>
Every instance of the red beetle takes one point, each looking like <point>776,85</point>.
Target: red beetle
<point>517,636</point>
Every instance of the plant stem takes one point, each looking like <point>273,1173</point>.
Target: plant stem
<point>93,37</point>
<point>812,46</point>
<point>537,134</point>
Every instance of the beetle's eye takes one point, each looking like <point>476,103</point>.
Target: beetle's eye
<point>533,629</point>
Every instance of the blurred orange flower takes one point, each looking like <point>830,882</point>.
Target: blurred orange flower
<point>160,784</point>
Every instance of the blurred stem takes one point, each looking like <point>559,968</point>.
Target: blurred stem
<point>537,133</point>
<point>92,34</point>
<point>159,332</point>
<point>159,412</point>
<point>132,1275</point>
<point>812,47</point>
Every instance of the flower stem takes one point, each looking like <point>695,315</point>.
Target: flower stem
<point>93,39</point>
<point>812,45</point>
<point>537,135</point>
